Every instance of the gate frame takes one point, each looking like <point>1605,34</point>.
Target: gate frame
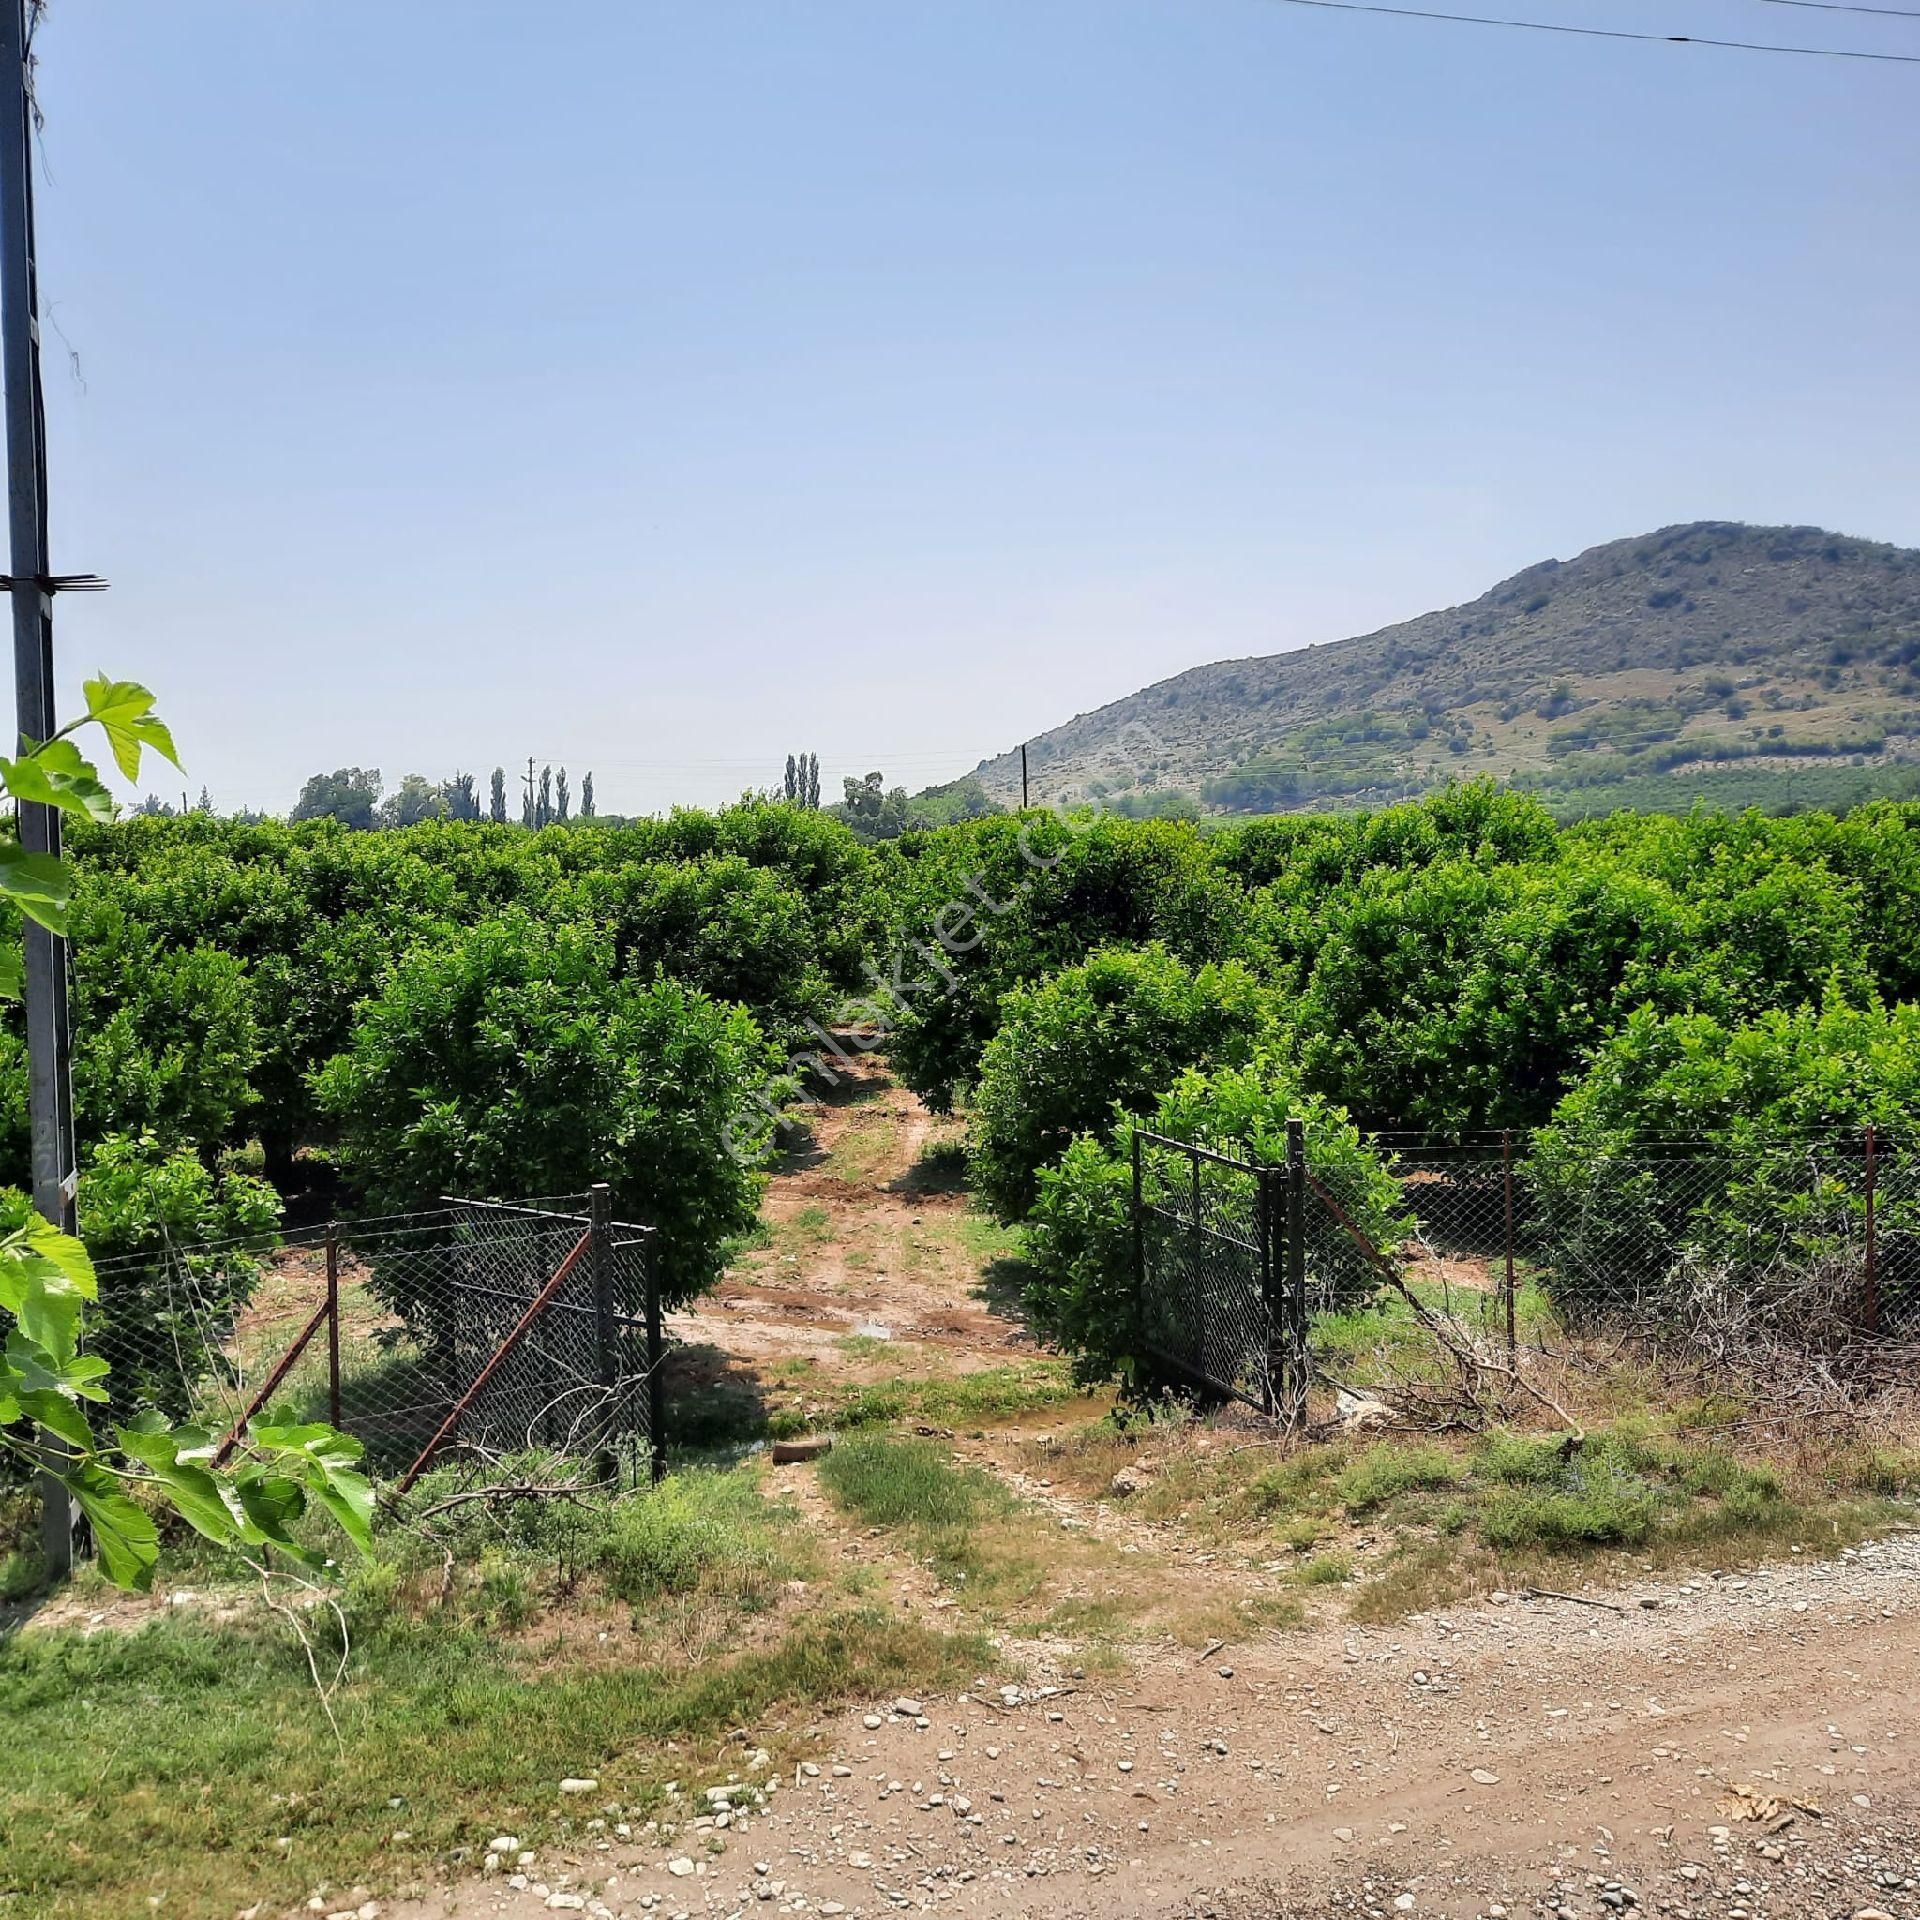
<point>1279,1252</point>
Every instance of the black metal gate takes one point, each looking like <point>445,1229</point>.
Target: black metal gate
<point>1219,1269</point>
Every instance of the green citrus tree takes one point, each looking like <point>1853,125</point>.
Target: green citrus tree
<point>49,1382</point>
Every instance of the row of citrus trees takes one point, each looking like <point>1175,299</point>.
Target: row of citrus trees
<point>451,1009</point>
<point>461,1007</point>
<point>1733,990</point>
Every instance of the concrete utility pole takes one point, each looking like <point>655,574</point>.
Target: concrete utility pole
<point>49,1038</point>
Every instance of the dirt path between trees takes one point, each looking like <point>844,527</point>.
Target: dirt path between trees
<point>870,1243</point>
<point>1737,1744</point>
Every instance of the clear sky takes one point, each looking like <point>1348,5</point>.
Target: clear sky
<point>656,388</point>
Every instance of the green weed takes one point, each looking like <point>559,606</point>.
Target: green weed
<point>1521,1459</point>
<point>1607,1511</point>
<point>22,1573</point>
<point>699,1532</point>
<point>961,1520</point>
<point>1883,1470</point>
<point>907,1483</point>
<point>1325,1570</point>
<point>1383,1473</point>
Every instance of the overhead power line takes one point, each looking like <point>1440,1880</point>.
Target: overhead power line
<point>1848,6</point>
<point>1604,33</point>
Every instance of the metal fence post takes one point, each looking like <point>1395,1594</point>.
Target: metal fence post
<point>333,1326</point>
<point>656,1370</point>
<point>46,993</point>
<point>1871,1305</point>
<point>1139,1256</point>
<point>1296,1303</point>
<point>1506,1182</point>
<point>1273,1297</point>
<point>605,1353</point>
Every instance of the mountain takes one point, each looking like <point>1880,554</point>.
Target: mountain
<point>1776,664</point>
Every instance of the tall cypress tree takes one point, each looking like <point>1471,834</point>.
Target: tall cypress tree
<point>586,798</point>
<point>561,800</point>
<point>793,781</point>
<point>497,806</point>
<point>543,807</point>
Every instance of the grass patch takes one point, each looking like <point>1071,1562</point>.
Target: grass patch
<point>752,1239</point>
<point>1523,1504</point>
<point>1890,1471</point>
<point>1383,1473</point>
<point>708,1534</point>
<point>22,1573</point>
<point>940,1168</point>
<point>1607,1510</point>
<point>713,1405</point>
<point>864,1148</point>
<point>1383,1341</point>
<point>1508,1510</point>
<point>960,1520</point>
<point>1419,1577</point>
<point>1255,1617</point>
<point>1325,1570</point>
<point>954,1400</point>
<point>1520,1459</point>
<point>958,1245</point>
<point>909,1483</point>
<point>162,1767</point>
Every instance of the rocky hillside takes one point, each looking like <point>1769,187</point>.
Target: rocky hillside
<point>1780,655</point>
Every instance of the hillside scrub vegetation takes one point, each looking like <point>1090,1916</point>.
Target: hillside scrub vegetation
<point>1779,666</point>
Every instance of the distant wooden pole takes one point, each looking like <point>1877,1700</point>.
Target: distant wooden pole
<point>1023,777</point>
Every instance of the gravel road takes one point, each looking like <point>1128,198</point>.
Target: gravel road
<point>1733,1746</point>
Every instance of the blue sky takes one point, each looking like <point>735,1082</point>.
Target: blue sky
<point>657,388</point>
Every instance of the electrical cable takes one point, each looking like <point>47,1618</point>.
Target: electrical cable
<point>1603,33</point>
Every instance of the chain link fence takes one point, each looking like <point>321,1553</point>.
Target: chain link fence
<point>1805,1254</point>
<point>1808,1246</point>
<point>474,1329</point>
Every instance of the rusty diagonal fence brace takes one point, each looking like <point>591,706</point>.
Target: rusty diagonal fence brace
<point>324,1312</point>
<point>1361,1239</point>
<point>535,1308</point>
